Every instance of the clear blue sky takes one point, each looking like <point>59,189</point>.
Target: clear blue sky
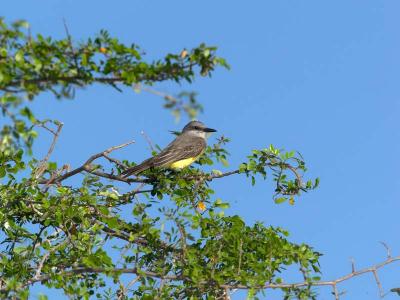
<point>320,77</point>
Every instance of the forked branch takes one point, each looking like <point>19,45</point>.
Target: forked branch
<point>332,283</point>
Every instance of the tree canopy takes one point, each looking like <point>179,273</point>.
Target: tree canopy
<point>161,235</point>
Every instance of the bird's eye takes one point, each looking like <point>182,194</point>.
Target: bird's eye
<point>196,127</point>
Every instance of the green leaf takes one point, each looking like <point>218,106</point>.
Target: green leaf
<point>280,200</point>
<point>19,56</point>
<point>2,172</point>
<point>224,162</point>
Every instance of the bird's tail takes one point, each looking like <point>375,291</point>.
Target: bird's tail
<point>135,170</point>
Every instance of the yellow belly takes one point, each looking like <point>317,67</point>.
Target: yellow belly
<point>182,163</point>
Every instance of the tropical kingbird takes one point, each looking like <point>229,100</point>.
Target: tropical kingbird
<point>180,153</point>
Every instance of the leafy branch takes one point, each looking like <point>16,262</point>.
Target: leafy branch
<point>30,65</point>
<point>291,287</point>
<point>258,163</point>
<point>166,228</point>
<point>187,186</point>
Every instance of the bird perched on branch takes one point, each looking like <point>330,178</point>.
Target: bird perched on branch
<point>180,153</point>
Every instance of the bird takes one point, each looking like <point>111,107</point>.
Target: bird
<point>187,147</point>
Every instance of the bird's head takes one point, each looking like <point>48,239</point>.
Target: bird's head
<point>197,128</point>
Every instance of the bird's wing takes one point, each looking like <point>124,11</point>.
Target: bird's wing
<point>180,148</point>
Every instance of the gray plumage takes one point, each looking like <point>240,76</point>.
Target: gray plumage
<point>189,144</point>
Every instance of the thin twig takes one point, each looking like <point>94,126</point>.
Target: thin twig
<point>88,270</point>
<point>335,291</point>
<point>158,93</point>
<point>40,265</point>
<point>43,125</point>
<point>331,283</point>
<point>122,293</point>
<point>8,112</point>
<point>50,237</point>
<point>115,161</point>
<point>182,239</point>
<point>45,257</point>
<point>353,267</point>
<point>132,282</point>
<point>378,283</point>
<point>87,167</point>
<point>43,165</point>
<point>240,257</point>
<point>388,251</point>
<point>69,37</point>
<point>148,140</point>
<point>140,241</point>
<point>77,79</point>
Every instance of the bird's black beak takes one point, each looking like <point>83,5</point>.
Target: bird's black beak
<point>209,130</point>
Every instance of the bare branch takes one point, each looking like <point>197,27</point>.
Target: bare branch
<point>148,140</point>
<point>46,256</point>
<point>69,37</point>
<point>216,176</point>
<point>43,165</point>
<point>388,251</point>
<point>7,111</point>
<point>335,291</point>
<point>226,287</point>
<point>124,289</point>
<point>87,167</point>
<point>158,93</point>
<point>40,265</point>
<point>333,283</point>
<point>115,161</point>
<point>353,266</point>
<point>182,238</point>
<point>378,283</point>
<point>133,281</point>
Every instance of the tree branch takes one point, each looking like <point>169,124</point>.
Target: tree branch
<point>43,164</point>
<point>87,167</point>
<point>87,270</point>
<point>333,283</point>
<point>99,79</point>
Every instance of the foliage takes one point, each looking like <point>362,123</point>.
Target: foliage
<point>165,235</point>
<point>31,65</point>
